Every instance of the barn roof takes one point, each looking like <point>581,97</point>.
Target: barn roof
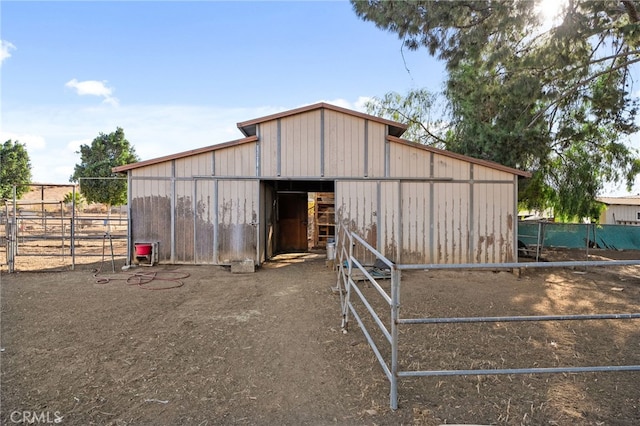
<point>633,200</point>
<point>184,154</point>
<point>248,128</point>
<point>486,163</point>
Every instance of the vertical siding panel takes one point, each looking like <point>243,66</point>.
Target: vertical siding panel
<point>412,162</point>
<point>330,148</point>
<point>450,222</point>
<point>236,161</point>
<point>493,205</point>
<point>290,136</point>
<point>237,212</point>
<point>445,167</point>
<point>356,140</point>
<point>300,145</point>
<point>184,227</point>
<point>340,144</point>
<point>390,224</point>
<point>356,205</point>
<point>315,151</point>
<point>196,165</point>
<point>415,222</point>
<point>480,225</point>
<point>151,213</point>
<point>268,148</point>
<point>376,149</point>
<point>344,145</point>
<point>204,217</point>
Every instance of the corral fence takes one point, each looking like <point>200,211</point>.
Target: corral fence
<point>53,229</point>
<point>360,265</point>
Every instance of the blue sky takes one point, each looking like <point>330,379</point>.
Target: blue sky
<point>180,75</point>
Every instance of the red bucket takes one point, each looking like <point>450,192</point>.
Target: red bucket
<point>143,249</point>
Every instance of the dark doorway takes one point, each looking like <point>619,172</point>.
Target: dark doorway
<point>292,222</point>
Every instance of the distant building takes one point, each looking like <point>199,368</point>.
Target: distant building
<point>620,210</point>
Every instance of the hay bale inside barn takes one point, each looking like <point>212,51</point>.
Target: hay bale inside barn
<point>248,199</point>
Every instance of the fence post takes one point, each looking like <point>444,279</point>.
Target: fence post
<point>395,312</point>
<point>345,311</point>
<point>11,243</point>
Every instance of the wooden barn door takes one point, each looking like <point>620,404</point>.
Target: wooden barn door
<point>292,221</point>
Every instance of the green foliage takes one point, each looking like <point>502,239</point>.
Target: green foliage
<point>97,160</point>
<point>417,110</point>
<point>553,100</point>
<point>15,169</point>
<point>74,197</point>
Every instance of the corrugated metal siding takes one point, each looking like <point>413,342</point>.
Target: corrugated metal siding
<point>184,222</point>
<point>376,142</point>
<point>416,217</point>
<point>237,219</point>
<point>485,173</point>
<point>390,219</point>
<point>236,161</point>
<point>356,206</point>
<point>269,148</point>
<point>408,161</point>
<point>300,145</point>
<point>447,167</point>
<point>155,170</point>
<point>204,222</point>
<point>195,165</point>
<point>344,145</point>
<point>151,214</point>
<point>494,223</point>
<point>615,214</point>
<point>451,223</point>
<point>431,222</point>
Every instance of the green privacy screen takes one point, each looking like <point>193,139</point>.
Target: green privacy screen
<point>577,235</point>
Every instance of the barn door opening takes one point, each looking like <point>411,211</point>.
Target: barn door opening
<point>292,220</point>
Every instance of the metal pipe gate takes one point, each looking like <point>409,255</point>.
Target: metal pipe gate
<point>346,286</point>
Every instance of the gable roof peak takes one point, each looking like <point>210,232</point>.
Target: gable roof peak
<point>249,127</point>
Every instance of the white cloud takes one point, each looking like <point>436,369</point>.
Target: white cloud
<point>74,146</point>
<point>31,141</point>
<point>5,50</point>
<point>359,105</point>
<point>93,88</point>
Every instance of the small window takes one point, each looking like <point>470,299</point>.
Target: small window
<point>637,215</point>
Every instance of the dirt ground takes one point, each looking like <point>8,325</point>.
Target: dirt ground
<point>266,348</point>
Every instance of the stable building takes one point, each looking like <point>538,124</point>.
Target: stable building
<point>248,199</point>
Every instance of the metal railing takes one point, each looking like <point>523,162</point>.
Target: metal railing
<point>348,264</point>
<point>28,232</point>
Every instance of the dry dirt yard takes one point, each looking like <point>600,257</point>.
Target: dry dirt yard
<point>266,348</point>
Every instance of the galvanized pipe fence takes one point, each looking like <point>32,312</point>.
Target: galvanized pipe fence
<point>348,264</point>
<point>59,235</point>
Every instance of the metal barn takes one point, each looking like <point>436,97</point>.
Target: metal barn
<point>620,210</point>
<point>247,199</point>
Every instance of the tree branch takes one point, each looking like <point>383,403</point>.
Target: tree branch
<point>411,120</point>
<point>569,91</point>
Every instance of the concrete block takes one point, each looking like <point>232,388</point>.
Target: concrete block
<point>243,266</point>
